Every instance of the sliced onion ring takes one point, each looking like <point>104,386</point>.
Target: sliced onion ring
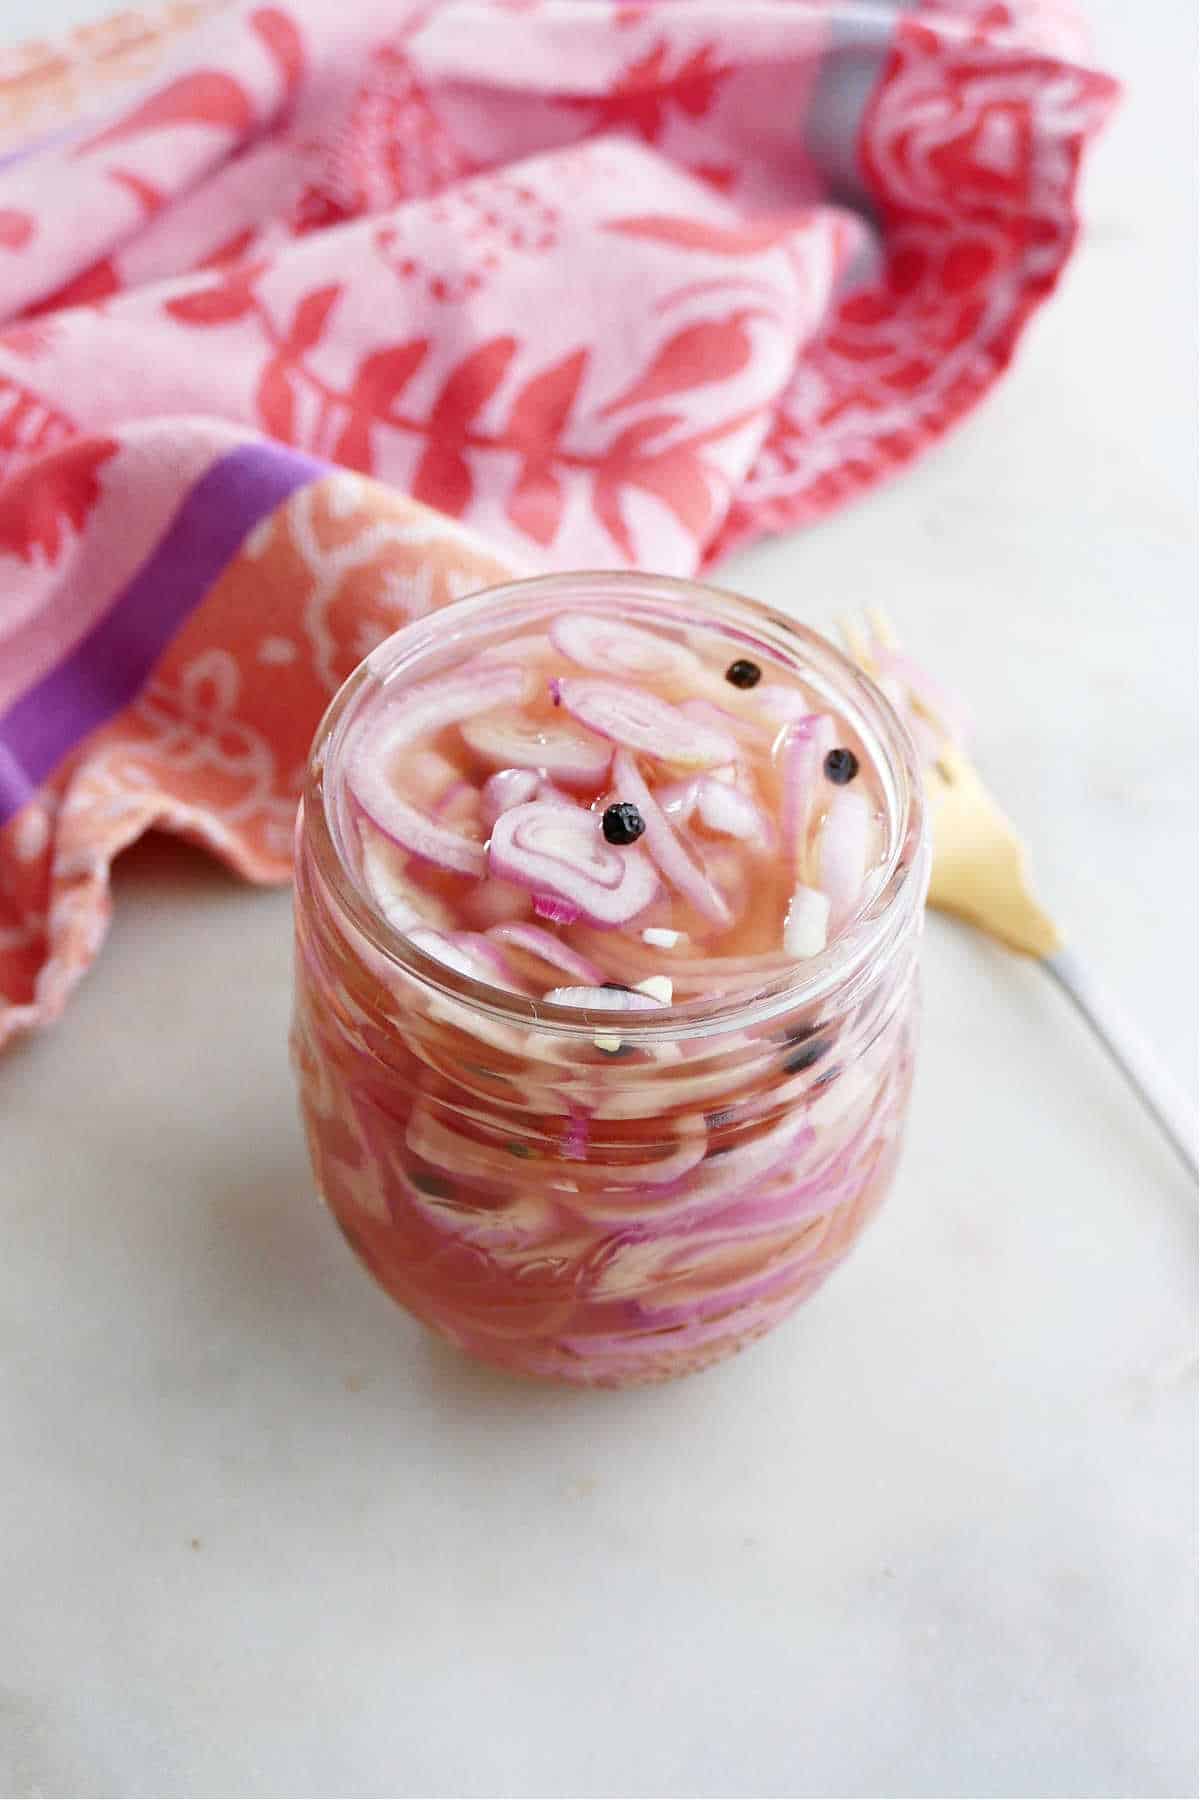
<point>495,902</point>
<point>402,903</point>
<point>602,999</point>
<point>561,851</point>
<point>613,648</point>
<point>643,722</point>
<point>412,715</point>
<point>842,851</point>
<point>803,748</point>
<point>467,953</point>
<point>782,705</point>
<point>716,718</point>
<point>663,845</point>
<point>507,787</point>
<point>509,739</point>
<point>731,813</point>
<point>540,943</point>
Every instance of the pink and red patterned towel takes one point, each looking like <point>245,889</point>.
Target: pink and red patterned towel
<point>314,316</point>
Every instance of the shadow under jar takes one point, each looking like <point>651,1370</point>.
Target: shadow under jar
<point>604,1198</point>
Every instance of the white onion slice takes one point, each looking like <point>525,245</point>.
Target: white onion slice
<point>561,851</point>
<point>602,999</point>
<point>842,851</point>
<point>555,748</point>
<point>643,722</point>
<point>730,813</point>
<point>663,845</point>
<point>806,925</point>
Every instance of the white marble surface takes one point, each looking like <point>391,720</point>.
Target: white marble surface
<point>260,1536</point>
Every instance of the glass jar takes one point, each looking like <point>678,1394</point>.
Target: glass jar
<point>540,1202</point>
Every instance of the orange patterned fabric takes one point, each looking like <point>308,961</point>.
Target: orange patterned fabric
<point>214,746</point>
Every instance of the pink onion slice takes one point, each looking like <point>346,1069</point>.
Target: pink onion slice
<point>678,800</point>
<point>842,852</point>
<point>643,722</point>
<point>507,787</point>
<point>782,705</point>
<point>486,955</point>
<point>613,648</point>
<point>540,943</point>
<point>459,804</point>
<point>555,748</point>
<point>559,912</point>
<point>650,1190</point>
<point>468,954</point>
<point>467,1158</point>
<point>561,851</point>
<point>424,837</point>
<point>715,718</point>
<point>402,903</point>
<point>804,745</point>
<point>412,715</point>
<point>602,999</point>
<point>428,775</point>
<point>546,790</point>
<point>496,903</point>
<point>663,845</point>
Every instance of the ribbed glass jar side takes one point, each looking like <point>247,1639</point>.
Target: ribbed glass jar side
<point>566,1209</point>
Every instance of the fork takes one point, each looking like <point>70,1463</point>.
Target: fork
<point>981,872</point>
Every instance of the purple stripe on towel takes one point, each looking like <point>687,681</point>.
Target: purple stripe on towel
<point>109,667</point>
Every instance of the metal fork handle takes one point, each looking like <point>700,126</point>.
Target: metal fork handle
<point>1140,1064</point>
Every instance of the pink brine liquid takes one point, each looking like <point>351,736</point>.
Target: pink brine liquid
<point>608,890</point>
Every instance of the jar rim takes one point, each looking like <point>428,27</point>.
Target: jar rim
<point>879,926</point>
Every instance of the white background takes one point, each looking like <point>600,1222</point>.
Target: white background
<point>259,1535</point>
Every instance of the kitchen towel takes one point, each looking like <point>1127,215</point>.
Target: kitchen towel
<point>315,316</point>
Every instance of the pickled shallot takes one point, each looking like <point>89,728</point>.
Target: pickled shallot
<point>605,784</point>
<point>614,1074</point>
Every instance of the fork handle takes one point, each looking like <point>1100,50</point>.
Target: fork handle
<point>1137,1060</point>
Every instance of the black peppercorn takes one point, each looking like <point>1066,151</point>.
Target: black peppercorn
<point>841,766</point>
<point>810,1053</point>
<point>743,673</point>
<point>622,823</point>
